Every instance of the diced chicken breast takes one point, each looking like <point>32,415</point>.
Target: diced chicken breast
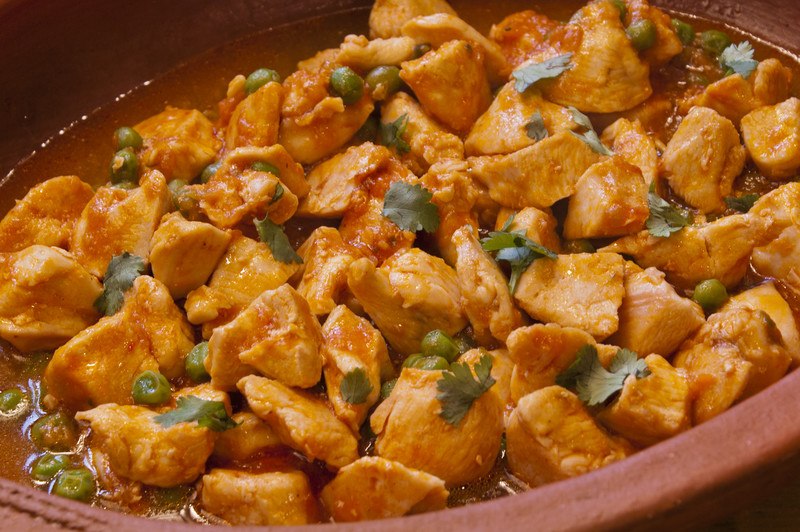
<point>539,225</point>
<point>582,290</point>
<point>259,499</point>
<point>502,371</point>
<point>276,335</point>
<point>302,423</point>
<point>450,83</point>
<point>667,44</point>
<point>779,259</point>
<point>779,207</point>
<point>703,158</point>
<point>630,141</point>
<point>363,54</point>
<point>141,449</point>
<point>522,35</point>
<point>409,426</point>
<point>256,119</point>
<point>536,176</point>
<point>412,294</point>
<point>117,220</point>
<point>43,217</point>
<point>250,436</point>
<point>178,142</point>
<point>551,436</point>
<point>772,138</point>
<point>46,298</point>
<point>375,488</point>
<point>388,16</point>
<point>772,82</point>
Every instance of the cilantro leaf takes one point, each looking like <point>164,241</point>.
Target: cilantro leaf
<point>355,387</point>
<point>582,364</point>
<point>516,249</point>
<point>590,135</point>
<point>120,274</point>
<point>278,194</point>
<point>592,382</point>
<point>742,203</point>
<point>392,134</point>
<point>665,218</point>
<point>739,59</point>
<point>536,128</point>
<point>527,76</point>
<point>459,389</point>
<point>581,119</point>
<point>273,236</point>
<point>410,207</point>
<point>208,414</point>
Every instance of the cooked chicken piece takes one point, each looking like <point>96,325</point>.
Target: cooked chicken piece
<point>779,259</point>
<point>551,437</point>
<point>582,290</point>
<point>251,436</point>
<point>259,499</point>
<point>313,123</point>
<point>771,81</point>
<point>204,391</point>
<point>139,448</point>
<point>388,16</point>
<point>376,488</point>
<point>247,269</point>
<point>256,119</point>
<point>46,298</point>
<point>351,344</point>
<point>653,408</point>
<point>536,176</point>
<point>667,44</point>
<point>117,220</point>
<point>772,138</point>
<point>484,291</point>
<point>450,83</point>
<point>184,254</point>
<point>539,225</point>
<point>653,318</point>
<point>318,60</point>
<point>277,335</point>
<point>630,141</point>
<point>412,294</point>
<point>503,127</point>
<point>302,423</point>
<point>779,207</point>
<point>610,200</point>
<point>178,142</point>
<point>736,354</point>
<point>363,54</point>
<point>502,371</point>
<point>43,217</point>
<point>428,141</point>
<point>522,35</point>
<point>409,426</point>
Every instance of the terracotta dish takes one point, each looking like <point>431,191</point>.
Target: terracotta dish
<point>61,59</point>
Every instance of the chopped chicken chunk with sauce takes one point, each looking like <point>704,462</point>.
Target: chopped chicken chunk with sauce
<point>538,224</point>
<point>772,138</point>
<point>249,437</point>
<point>502,372</point>
<point>256,119</point>
<point>360,53</point>
<point>388,16</point>
<point>630,141</point>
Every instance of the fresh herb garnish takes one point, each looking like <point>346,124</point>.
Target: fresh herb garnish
<point>742,203</point>
<point>208,414</point>
<point>738,58</point>
<point>592,382</point>
<point>665,218</point>
<point>528,75</point>
<point>392,134</point>
<point>120,274</point>
<point>277,195</point>
<point>355,387</point>
<point>410,207</point>
<point>273,236</point>
<point>590,135</point>
<point>459,389</point>
<point>536,128</point>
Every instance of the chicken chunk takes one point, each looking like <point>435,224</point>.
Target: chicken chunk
<point>539,225</point>
<point>703,158</point>
<point>302,423</point>
<point>46,298</point>
<point>376,488</point>
<point>117,220</point>
<point>581,290</point>
<point>408,426</point>
<point>388,16</point>
<point>450,83</point>
<point>259,499</point>
<point>536,176</point>
<point>363,54</point>
<point>779,259</point>
<point>630,141</point>
<point>178,142</point>
<point>502,371</point>
<point>277,335</point>
<point>250,436</point>
<point>779,207</point>
<point>42,217</point>
<point>256,119</point>
<point>551,437</point>
<point>522,35</point>
<point>412,294</point>
<point>139,448</point>
<point>667,44</point>
<point>610,200</point>
<point>772,138</point>
<point>184,254</point>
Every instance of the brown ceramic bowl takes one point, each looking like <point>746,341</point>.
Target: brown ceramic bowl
<point>61,58</point>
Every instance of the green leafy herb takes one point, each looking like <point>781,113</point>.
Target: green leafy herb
<point>459,389</point>
<point>528,75</point>
<point>742,203</point>
<point>536,128</point>
<point>273,236</point>
<point>589,136</point>
<point>516,249</point>
<point>665,218</point>
<point>410,207</point>
<point>208,414</point>
<point>278,194</point>
<point>355,387</point>
<point>738,58</point>
<point>582,365</point>
<point>120,274</point>
<point>592,382</point>
<point>392,134</point>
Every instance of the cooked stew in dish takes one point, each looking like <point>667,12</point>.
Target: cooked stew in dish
<point>430,264</point>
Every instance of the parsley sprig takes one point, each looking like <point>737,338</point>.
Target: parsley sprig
<point>458,389</point>
<point>738,58</point>
<point>273,236</point>
<point>410,207</point>
<point>355,387</point>
<point>392,134</point>
<point>592,382</point>
<point>528,75</point>
<point>665,218</point>
<point>535,127</point>
<point>208,414</point>
<point>120,274</point>
<point>742,203</point>
<point>589,136</point>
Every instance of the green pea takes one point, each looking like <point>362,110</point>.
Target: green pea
<point>438,343</point>
<point>411,360</point>
<point>11,399</point>
<point>262,166</point>
<point>387,76</point>
<point>347,85</point>
<point>421,49</point>
<point>684,31</point>
<point>151,388</point>
<point>55,432</point>
<point>125,185</point>
<point>369,131</point>
<point>76,484</point>
<point>195,363</point>
<point>127,137</point>
<point>259,78</point>
<point>623,9</point>
<point>209,171</point>
<point>642,34</point>
<point>175,187</point>
<point>48,465</point>
<point>124,166</point>
<point>430,363</point>
<point>578,246</point>
<point>710,294</point>
<point>714,41</point>
<point>387,387</point>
